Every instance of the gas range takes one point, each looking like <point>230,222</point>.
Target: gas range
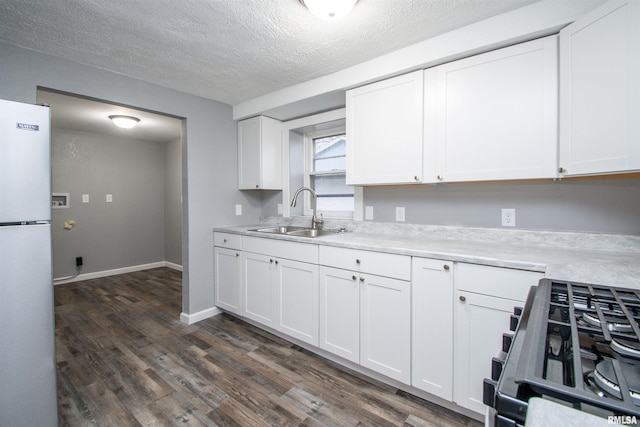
<point>577,344</point>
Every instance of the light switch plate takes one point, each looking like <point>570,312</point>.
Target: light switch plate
<point>109,198</point>
<point>85,198</point>
<point>238,209</point>
<point>368,213</point>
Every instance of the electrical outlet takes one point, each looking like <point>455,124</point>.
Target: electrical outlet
<point>238,209</point>
<point>508,217</point>
<point>85,198</point>
<point>279,208</point>
<point>368,213</point>
<point>109,198</point>
<point>400,213</point>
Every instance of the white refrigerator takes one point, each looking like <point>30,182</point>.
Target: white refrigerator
<point>27,334</point>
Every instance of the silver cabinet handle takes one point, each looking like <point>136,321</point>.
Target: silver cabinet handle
<point>446,267</point>
<point>362,279</point>
<point>357,261</point>
<point>561,170</point>
<point>276,262</point>
<point>224,240</point>
<point>271,261</point>
<point>353,277</point>
<point>257,186</point>
<point>439,177</point>
<point>463,298</point>
<point>416,178</point>
<point>237,254</point>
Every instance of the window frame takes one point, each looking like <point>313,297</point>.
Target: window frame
<point>309,172</point>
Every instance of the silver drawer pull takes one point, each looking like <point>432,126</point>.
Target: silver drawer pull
<point>463,298</point>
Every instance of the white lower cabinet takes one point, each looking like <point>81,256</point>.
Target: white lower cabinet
<point>484,301</point>
<point>432,326</point>
<point>385,326</point>
<point>280,286</point>
<point>297,290</point>
<point>227,262</point>
<point>228,279</point>
<point>364,317</point>
<point>340,313</point>
<point>259,288</point>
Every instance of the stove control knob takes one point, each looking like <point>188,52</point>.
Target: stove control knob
<point>496,368</point>
<point>513,322</point>
<point>507,339</point>
<point>489,392</point>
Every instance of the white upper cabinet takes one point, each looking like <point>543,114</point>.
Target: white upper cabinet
<point>495,115</point>
<point>259,154</point>
<point>600,91</point>
<point>384,131</point>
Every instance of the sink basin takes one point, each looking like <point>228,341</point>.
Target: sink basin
<point>291,230</point>
<point>309,232</point>
<point>283,229</point>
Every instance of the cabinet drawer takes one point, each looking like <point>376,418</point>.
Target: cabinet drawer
<point>378,263</point>
<point>303,252</point>
<point>496,281</point>
<point>227,240</point>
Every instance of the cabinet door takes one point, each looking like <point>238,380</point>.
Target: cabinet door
<point>228,279</point>
<point>385,326</point>
<point>259,290</point>
<point>480,322</point>
<point>298,300</point>
<point>432,326</point>
<point>497,114</point>
<point>259,154</point>
<point>340,313</point>
<point>600,91</point>
<point>384,131</point>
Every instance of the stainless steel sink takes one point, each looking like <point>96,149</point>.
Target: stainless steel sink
<point>291,230</point>
<point>310,232</point>
<point>282,229</point>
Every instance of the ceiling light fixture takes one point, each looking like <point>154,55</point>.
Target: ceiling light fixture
<point>124,122</point>
<point>329,10</point>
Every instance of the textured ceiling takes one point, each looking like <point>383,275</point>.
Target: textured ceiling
<point>229,50</point>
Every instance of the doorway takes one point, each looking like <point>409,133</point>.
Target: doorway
<point>119,190</point>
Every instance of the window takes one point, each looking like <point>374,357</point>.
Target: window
<point>325,173</point>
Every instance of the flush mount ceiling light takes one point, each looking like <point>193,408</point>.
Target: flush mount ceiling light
<point>329,10</point>
<point>124,122</point>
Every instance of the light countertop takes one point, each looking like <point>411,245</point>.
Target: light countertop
<point>597,258</point>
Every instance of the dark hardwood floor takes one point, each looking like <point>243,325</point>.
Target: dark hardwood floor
<point>124,359</point>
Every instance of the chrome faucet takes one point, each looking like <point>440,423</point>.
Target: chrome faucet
<point>316,224</point>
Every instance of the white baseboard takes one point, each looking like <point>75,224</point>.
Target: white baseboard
<point>190,319</point>
<point>106,273</point>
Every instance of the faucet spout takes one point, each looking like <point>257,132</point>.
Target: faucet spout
<point>316,223</point>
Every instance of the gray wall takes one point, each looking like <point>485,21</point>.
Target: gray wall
<point>143,223</point>
<point>209,153</point>
<point>600,205</point>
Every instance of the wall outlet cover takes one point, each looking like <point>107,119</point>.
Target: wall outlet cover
<point>238,209</point>
<point>509,217</point>
<point>400,213</point>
